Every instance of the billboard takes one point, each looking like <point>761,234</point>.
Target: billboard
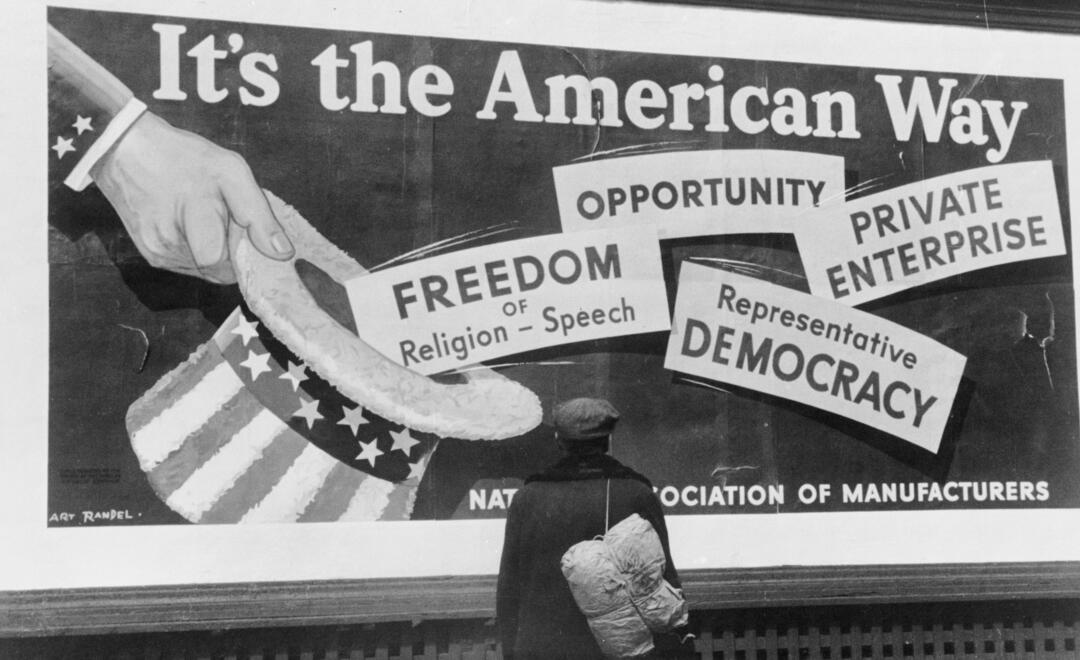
<point>821,287</point>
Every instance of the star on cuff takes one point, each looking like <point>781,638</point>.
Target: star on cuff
<point>62,146</point>
<point>82,124</point>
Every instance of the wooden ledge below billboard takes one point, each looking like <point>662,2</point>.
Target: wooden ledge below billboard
<point>340,602</point>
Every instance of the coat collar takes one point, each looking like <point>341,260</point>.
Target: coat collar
<point>579,468</point>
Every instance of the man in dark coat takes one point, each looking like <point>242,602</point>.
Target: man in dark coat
<point>565,504</point>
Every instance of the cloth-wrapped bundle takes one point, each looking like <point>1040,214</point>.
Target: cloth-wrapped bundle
<point>617,582</point>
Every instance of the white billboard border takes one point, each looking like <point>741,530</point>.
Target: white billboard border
<point>134,557</point>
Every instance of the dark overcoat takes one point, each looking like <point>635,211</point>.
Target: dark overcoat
<point>555,509</point>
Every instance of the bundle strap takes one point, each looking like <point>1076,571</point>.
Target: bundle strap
<point>607,507</point>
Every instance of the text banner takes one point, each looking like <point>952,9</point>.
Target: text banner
<point>894,240</point>
<point>772,339</point>
<point>458,309</point>
<point>698,193</point>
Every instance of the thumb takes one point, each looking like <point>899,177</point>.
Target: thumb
<point>249,209</point>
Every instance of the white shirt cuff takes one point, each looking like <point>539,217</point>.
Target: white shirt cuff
<point>79,177</point>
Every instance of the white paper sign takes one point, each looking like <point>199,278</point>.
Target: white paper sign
<point>772,339</point>
<point>921,232</point>
<point>461,308</point>
<point>698,193</point>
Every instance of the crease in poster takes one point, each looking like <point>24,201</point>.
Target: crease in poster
<point>699,193</point>
<point>772,339</point>
<point>891,241</point>
<point>455,310</point>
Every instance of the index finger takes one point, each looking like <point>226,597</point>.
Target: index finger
<point>248,208</point>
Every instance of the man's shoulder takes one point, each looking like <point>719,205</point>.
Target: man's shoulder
<point>542,489</point>
<point>637,487</point>
<point>526,494</point>
<point>627,484</point>
<point>537,489</point>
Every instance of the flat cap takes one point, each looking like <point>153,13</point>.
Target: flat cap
<point>584,419</point>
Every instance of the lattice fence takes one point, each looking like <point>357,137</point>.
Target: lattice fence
<point>1014,630</point>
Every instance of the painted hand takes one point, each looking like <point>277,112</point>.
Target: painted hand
<point>177,193</point>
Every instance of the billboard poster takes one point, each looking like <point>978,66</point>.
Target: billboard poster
<point>303,275</point>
